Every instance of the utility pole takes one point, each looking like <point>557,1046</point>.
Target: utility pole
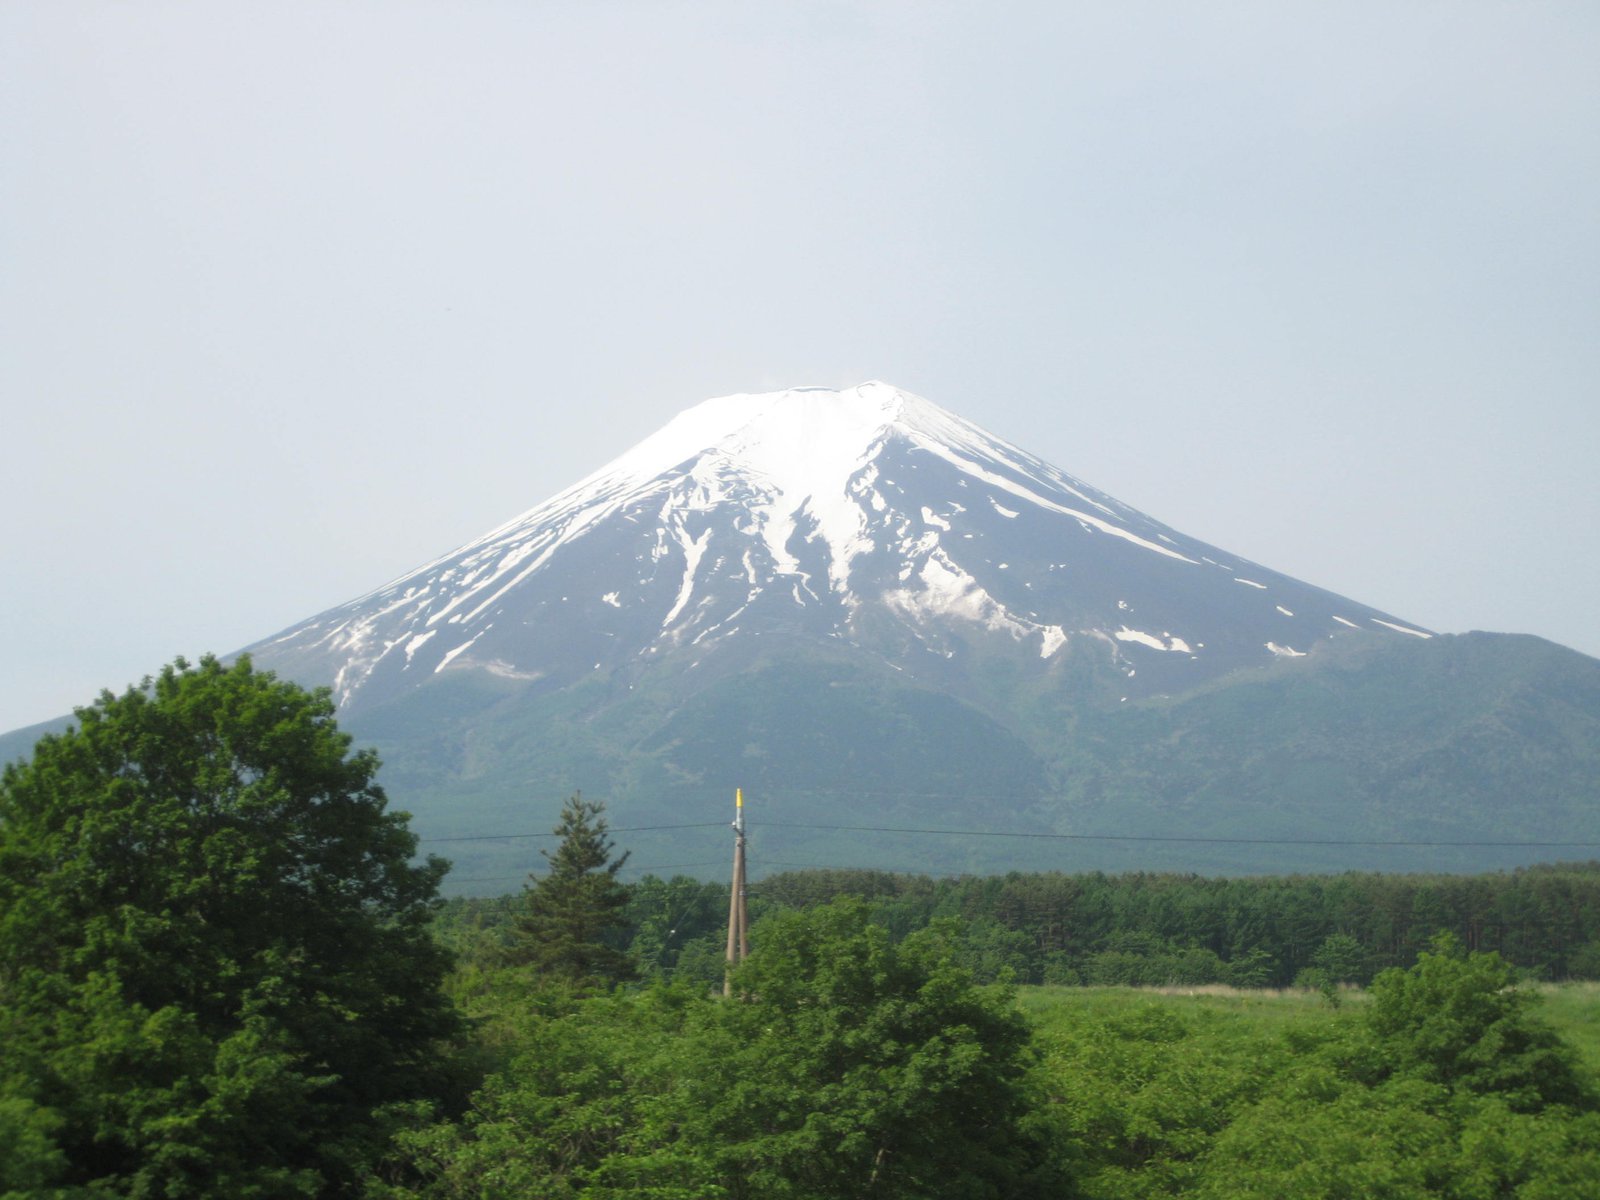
<point>738,916</point>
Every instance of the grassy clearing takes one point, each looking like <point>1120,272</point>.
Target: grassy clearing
<point>1573,1008</point>
<point>1269,1008</point>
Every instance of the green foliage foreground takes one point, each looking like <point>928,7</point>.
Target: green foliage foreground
<point>1442,1084</point>
<point>845,1065</point>
<point>215,962</point>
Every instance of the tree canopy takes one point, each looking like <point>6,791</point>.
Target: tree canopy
<point>847,1065</point>
<point>215,965</point>
<point>1455,1019</point>
<point>574,908</point>
<point>854,1065</point>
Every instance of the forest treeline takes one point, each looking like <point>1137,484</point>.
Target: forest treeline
<point>1136,929</point>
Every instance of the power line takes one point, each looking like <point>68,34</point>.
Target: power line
<point>646,870</point>
<point>675,866</point>
<point>505,837</point>
<point>1044,836</point>
<point>1179,839</point>
<point>489,879</point>
<point>1130,837</point>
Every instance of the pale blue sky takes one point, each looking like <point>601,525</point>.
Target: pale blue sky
<point>294,297</point>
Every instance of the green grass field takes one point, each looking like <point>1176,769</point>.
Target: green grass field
<point>1218,1092</point>
<point>1572,1008</point>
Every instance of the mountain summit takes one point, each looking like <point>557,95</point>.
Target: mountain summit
<point>916,646</point>
<point>866,518</point>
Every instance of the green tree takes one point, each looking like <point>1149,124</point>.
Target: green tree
<point>1250,970</point>
<point>1456,1019</point>
<point>575,912</point>
<point>667,916</point>
<point>989,951</point>
<point>1341,958</point>
<point>214,958</point>
<point>1584,962</point>
<point>1137,1091</point>
<point>1446,1086</point>
<point>565,1116</point>
<point>1323,1137</point>
<point>31,1159</point>
<point>857,1067</point>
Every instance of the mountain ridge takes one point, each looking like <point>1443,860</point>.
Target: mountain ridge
<point>871,614</point>
<point>746,508</point>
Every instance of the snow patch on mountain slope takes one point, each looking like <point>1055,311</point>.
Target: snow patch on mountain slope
<point>694,550</point>
<point>975,470</point>
<point>417,643</point>
<point>1401,628</point>
<point>948,591</point>
<point>1165,642</point>
<point>451,655</point>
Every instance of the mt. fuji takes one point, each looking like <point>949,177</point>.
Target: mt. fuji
<point>868,517</point>
<point>885,624</point>
<point>854,601</point>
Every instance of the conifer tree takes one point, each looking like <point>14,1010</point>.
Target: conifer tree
<point>574,911</point>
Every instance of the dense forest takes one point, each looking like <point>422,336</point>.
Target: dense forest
<point>1140,929</point>
<point>224,972</point>
<point>847,1065</point>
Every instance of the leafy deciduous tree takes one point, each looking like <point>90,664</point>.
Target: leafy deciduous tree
<point>1455,1019</point>
<point>1447,1087</point>
<point>857,1067</point>
<point>848,1066</point>
<point>214,956</point>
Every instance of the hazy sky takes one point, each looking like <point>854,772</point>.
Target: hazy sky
<point>294,297</point>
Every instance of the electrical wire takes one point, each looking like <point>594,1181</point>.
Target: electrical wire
<point>1130,837</point>
<point>630,868</point>
<point>1181,839</point>
<point>505,837</point>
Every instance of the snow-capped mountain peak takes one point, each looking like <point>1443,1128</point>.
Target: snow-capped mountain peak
<point>798,432</point>
<point>866,516</point>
